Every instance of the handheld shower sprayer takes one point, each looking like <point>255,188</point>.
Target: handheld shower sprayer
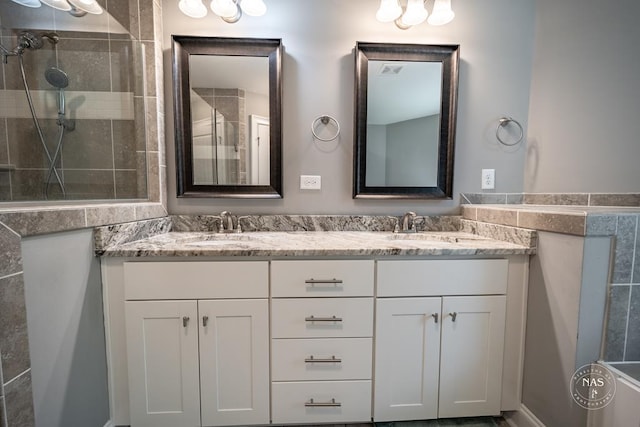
<point>58,79</point>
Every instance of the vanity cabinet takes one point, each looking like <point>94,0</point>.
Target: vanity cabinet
<point>439,338</point>
<point>198,362</point>
<point>322,328</point>
<point>299,341</point>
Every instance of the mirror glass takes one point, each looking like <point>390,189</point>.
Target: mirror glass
<point>230,98</point>
<point>405,120</point>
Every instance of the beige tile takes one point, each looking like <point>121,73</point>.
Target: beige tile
<point>497,216</point>
<point>556,199</point>
<point>631,199</point>
<point>554,222</point>
<point>469,212</point>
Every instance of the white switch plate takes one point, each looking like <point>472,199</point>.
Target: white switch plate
<point>310,182</point>
<point>488,179</point>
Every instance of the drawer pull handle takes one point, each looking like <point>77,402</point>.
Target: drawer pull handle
<point>323,319</point>
<point>205,321</point>
<point>185,321</point>
<point>435,317</point>
<point>313,281</point>
<point>333,359</point>
<point>453,316</point>
<point>332,404</point>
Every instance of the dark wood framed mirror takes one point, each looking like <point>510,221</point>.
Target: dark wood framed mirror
<point>228,116</point>
<point>405,120</point>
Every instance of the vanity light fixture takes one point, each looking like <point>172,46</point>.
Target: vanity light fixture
<point>74,7</point>
<point>414,13</point>
<point>229,10</point>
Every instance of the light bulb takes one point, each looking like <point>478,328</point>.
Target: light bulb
<point>89,6</point>
<point>415,13</point>
<point>193,8</point>
<point>389,11</point>
<point>253,7</point>
<point>442,13</point>
<point>58,4</point>
<point>224,8</point>
<point>28,3</point>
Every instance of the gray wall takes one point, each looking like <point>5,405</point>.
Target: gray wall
<point>66,330</point>
<point>411,162</point>
<point>496,38</point>
<point>568,280</point>
<point>584,132</point>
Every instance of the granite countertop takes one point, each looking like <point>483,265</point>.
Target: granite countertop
<point>316,243</point>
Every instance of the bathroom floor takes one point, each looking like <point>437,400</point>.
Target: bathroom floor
<point>448,422</point>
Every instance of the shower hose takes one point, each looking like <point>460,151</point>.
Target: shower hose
<point>52,160</point>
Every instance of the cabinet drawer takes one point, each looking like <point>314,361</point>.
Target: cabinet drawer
<point>196,280</point>
<point>314,317</point>
<point>335,359</point>
<point>328,278</point>
<point>442,277</point>
<point>350,402</point>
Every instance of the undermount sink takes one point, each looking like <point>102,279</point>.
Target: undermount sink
<point>219,239</point>
<point>426,236</point>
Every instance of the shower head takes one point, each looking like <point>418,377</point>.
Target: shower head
<point>56,77</point>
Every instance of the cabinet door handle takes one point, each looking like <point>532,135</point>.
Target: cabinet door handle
<point>435,317</point>
<point>185,321</point>
<point>323,319</point>
<point>333,359</point>
<point>332,404</point>
<point>313,281</point>
<point>205,320</point>
<point>453,316</point>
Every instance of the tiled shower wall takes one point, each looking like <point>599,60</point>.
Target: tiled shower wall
<point>105,57</point>
<point>623,326</point>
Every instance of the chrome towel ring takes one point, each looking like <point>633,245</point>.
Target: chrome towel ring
<point>503,123</point>
<point>325,120</point>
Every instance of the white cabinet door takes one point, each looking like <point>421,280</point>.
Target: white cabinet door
<point>407,359</point>
<point>162,350</point>
<point>471,355</point>
<point>234,362</point>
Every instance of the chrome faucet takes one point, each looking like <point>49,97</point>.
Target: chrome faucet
<point>227,223</point>
<point>407,222</point>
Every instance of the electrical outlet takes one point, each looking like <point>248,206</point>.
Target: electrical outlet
<point>488,179</point>
<point>310,182</point>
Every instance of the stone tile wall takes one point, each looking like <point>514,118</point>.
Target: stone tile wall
<point>623,326</point>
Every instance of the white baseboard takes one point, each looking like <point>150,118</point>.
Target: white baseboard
<point>110,424</point>
<point>522,418</point>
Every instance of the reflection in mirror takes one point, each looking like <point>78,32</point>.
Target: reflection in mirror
<point>405,120</point>
<point>229,94</point>
<point>402,131</point>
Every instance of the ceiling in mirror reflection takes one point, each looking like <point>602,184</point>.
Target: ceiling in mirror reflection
<point>230,72</point>
<point>400,91</point>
